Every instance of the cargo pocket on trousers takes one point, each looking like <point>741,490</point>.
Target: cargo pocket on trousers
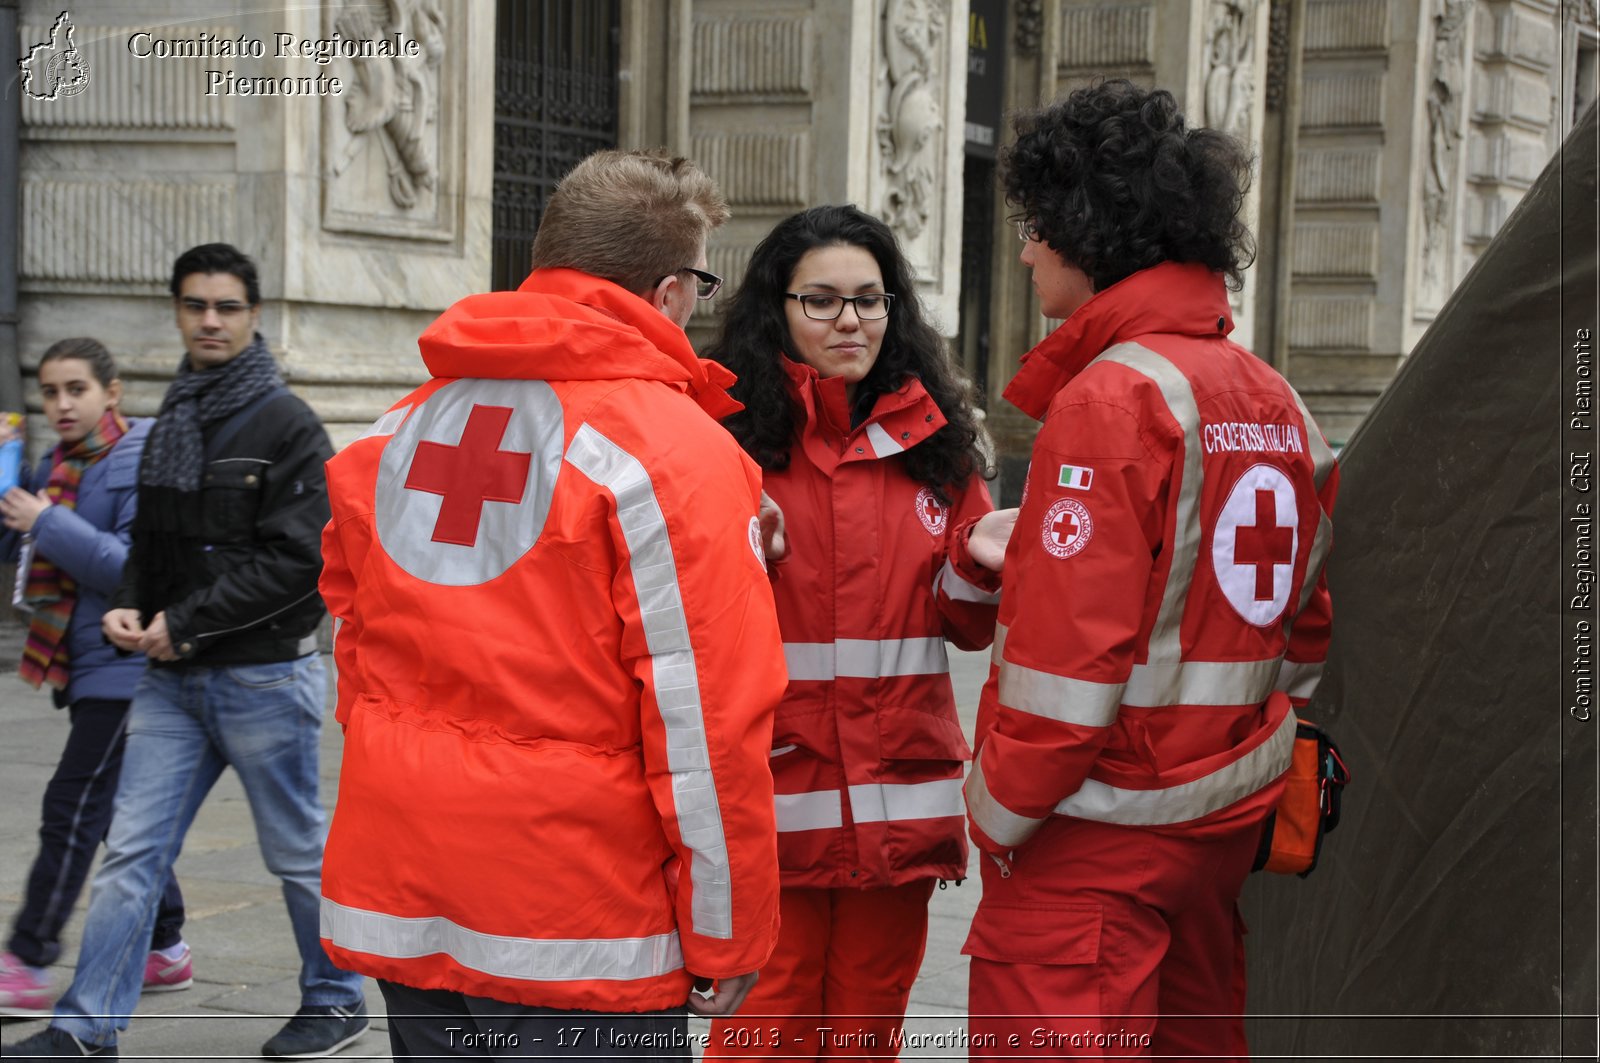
<point>1048,934</point>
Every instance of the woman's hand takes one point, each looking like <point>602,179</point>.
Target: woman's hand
<point>19,509</point>
<point>987,542</point>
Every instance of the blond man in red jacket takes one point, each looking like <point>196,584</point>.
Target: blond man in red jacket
<point>558,656</point>
<point>1164,610</point>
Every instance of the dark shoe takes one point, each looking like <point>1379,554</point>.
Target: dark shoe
<point>317,1031</point>
<point>51,1043</point>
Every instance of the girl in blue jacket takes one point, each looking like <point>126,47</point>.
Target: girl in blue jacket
<point>67,528</point>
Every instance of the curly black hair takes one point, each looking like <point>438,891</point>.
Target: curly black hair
<point>754,334</point>
<point>1115,182</point>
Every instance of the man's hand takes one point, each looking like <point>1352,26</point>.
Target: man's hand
<point>122,628</point>
<point>987,542</point>
<point>773,542</point>
<point>19,509</point>
<point>156,643</point>
<point>725,1000</point>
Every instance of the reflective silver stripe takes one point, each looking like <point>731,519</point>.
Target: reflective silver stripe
<point>1057,697</point>
<point>884,803</point>
<point>817,810</point>
<point>1165,644</point>
<point>779,751</point>
<point>866,658</point>
<point>1201,683</point>
<point>1187,801</point>
<point>1315,559</point>
<point>674,671</point>
<point>527,959</point>
<point>1299,679</point>
<point>994,819</point>
<point>883,444</point>
<point>998,648</point>
<point>386,425</point>
<point>958,588</point>
<point>1322,459</point>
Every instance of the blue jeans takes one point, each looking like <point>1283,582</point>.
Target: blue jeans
<point>186,725</point>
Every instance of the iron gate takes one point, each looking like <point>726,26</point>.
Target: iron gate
<point>555,101</point>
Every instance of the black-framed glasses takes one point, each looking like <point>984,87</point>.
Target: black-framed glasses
<point>1026,230</point>
<point>705,284</point>
<point>822,307</point>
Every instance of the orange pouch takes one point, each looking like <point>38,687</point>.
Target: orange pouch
<point>1291,837</point>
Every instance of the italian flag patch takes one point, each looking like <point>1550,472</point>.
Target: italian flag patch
<point>1075,477</point>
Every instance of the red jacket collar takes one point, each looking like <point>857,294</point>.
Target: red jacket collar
<point>1174,297</point>
<point>907,415</point>
<point>562,324</point>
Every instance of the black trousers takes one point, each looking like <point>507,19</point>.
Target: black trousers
<point>439,1024</point>
<point>77,813</point>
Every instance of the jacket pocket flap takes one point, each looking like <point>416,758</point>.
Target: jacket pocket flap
<point>239,475</point>
<point>909,734</point>
<point>1049,934</point>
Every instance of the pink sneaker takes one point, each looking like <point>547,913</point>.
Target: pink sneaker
<point>23,993</point>
<point>162,975</point>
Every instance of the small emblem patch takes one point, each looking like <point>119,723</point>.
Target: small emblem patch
<point>931,512</point>
<point>755,541</point>
<point>1067,527</point>
<point>1075,477</point>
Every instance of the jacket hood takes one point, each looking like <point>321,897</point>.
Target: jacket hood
<point>563,324</point>
<point>1182,298</point>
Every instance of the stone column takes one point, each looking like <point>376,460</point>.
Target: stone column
<point>826,101</point>
<point>366,211</point>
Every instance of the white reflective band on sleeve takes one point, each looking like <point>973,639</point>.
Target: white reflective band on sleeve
<point>883,803</point>
<point>1322,459</point>
<point>866,658</point>
<point>1190,800</point>
<point>994,819</point>
<point>1314,561</point>
<point>1299,679</point>
<point>883,444</point>
<point>1201,683</point>
<point>817,810</point>
<point>1058,697</point>
<point>956,587</point>
<point>1165,642</point>
<point>387,424</point>
<point>997,649</point>
<point>526,959</point>
<point>675,674</point>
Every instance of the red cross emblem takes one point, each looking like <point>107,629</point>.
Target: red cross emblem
<point>1263,544</point>
<point>1067,527</point>
<point>930,512</point>
<point>470,474</point>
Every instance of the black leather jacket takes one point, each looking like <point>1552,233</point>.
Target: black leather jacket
<point>251,596</point>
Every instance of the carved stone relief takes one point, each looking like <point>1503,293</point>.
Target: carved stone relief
<point>385,135</point>
<point>1447,82</point>
<point>1230,37</point>
<point>1277,54</point>
<point>912,117</point>
<point>1030,26</point>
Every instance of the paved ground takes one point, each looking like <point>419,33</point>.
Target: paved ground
<point>245,961</point>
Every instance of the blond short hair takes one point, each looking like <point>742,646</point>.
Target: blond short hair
<point>630,217</point>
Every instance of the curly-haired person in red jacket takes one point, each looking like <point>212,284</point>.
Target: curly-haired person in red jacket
<point>1164,614</point>
<point>868,443</point>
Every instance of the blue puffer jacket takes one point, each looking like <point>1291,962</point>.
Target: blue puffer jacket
<point>90,543</point>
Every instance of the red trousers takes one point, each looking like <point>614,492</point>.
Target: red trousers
<point>839,979</point>
<point>1110,941</point>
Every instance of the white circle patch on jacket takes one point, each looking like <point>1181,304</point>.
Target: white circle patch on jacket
<point>464,485</point>
<point>1067,527</point>
<point>931,512</point>
<point>1255,544</point>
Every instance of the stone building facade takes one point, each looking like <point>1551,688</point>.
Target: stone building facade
<point>1393,138</point>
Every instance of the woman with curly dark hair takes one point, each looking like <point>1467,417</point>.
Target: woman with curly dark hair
<point>868,444</point>
<point>1165,613</point>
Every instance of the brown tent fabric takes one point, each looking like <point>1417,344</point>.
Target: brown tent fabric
<point>1453,911</point>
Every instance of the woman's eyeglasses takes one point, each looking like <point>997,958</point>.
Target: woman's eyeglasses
<point>820,307</point>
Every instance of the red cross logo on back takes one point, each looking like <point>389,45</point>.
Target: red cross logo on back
<point>1264,544</point>
<point>470,474</point>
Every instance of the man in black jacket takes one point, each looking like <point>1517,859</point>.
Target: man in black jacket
<point>220,593</point>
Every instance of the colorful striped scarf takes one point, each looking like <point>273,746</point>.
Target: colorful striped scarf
<point>50,591</point>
